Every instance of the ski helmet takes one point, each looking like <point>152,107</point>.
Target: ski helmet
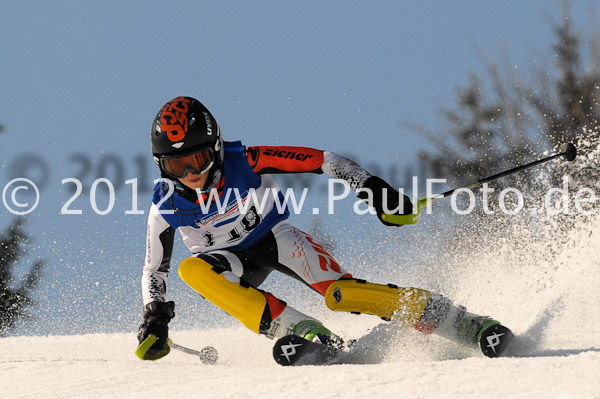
<point>182,127</point>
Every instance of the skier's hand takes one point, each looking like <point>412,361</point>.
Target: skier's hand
<point>156,319</point>
<point>377,193</point>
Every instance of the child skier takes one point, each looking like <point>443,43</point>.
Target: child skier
<point>222,199</point>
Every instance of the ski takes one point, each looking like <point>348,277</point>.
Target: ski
<point>293,350</point>
<point>497,341</point>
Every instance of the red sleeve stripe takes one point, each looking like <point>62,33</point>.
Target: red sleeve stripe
<point>284,159</point>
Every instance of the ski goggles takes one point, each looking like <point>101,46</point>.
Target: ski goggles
<point>197,163</point>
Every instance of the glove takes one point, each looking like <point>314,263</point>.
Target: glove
<point>156,319</point>
<point>376,190</point>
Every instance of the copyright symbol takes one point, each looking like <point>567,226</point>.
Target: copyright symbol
<point>24,184</point>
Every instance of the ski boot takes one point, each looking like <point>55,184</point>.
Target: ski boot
<point>314,331</point>
<point>456,324</point>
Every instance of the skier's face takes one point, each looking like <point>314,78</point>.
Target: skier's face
<point>194,181</point>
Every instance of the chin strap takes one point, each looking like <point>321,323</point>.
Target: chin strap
<point>193,195</point>
<point>215,179</point>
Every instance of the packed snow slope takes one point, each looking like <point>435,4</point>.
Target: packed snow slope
<point>103,366</point>
<point>537,273</point>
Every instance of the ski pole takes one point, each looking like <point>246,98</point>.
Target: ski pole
<point>568,151</point>
<point>208,354</point>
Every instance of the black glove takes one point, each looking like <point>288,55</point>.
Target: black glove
<point>380,190</point>
<point>156,319</point>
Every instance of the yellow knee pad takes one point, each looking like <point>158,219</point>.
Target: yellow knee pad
<point>246,304</point>
<point>386,301</point>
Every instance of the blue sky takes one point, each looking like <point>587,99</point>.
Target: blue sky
<point>83,80</point>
